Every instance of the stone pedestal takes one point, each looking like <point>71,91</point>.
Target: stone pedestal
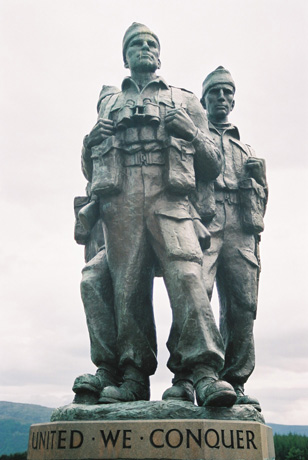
<point>155,437</point>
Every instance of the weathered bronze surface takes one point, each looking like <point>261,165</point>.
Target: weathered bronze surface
<point>233,259</point>
<point>159,177</point>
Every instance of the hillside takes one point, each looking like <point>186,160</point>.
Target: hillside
<point>15,421</point>
<point>287,429</point>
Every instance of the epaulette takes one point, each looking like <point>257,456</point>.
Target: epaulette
<point>182,89</point>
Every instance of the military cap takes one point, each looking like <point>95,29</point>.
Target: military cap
<point>219,75</point>
<point>135,29</point>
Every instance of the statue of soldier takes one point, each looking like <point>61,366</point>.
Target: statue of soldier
<point>143,157</point>
<point>97,296</point>
<point>233,258</point>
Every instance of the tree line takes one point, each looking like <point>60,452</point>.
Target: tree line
<point>291,447</point>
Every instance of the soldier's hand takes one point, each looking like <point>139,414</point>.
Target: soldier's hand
<point>202,234</point>
<point>102,130</point>
<point>179,124</point>
<point>256,169</point>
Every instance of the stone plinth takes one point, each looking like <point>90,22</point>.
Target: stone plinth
<point>154,410</point>
<point>151,439</point>
<point>152,430</point>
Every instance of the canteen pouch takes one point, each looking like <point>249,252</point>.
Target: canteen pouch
<point>107,168</point>
<point>180,166</point>
<point>253,202</point>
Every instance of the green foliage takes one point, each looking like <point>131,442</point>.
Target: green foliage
<point>291,447</point>
<point>19,456</point>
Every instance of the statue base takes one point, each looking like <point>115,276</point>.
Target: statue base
<point>212,433</point>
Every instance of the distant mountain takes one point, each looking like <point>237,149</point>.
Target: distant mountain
<point>287,429</point>
<point>15,421</point>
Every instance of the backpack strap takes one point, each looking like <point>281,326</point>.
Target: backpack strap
<point>178,97</point>
<point>105,108</point>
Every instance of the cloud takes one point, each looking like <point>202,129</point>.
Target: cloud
<point>56,57</point>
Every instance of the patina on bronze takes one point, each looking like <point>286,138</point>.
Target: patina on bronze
<point>143,159</point>
<point>233,259</point>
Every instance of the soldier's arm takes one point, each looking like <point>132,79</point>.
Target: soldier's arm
<point>86,162</point>
<point>208,160</point>
<point>101,131</point>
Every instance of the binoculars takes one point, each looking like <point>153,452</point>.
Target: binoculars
<point>133,114</point>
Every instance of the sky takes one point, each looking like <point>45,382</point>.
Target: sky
<point>55,56</point>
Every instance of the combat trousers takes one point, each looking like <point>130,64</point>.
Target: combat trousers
<point>143,224</point>
<point>97,296</point>
<point>232,260</point>
<point>98,300</point>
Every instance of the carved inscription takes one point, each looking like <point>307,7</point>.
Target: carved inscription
<point>157,438</point>
<point>53,439</point>
<point>214,439</point>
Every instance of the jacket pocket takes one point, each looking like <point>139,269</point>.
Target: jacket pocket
<point>253,202</point>
<point>180,166</point>
<point>107,173</point>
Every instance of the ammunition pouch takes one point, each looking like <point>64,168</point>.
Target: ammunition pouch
<point>180,166</point>
<point>253,201</point>
<point>107,172</point>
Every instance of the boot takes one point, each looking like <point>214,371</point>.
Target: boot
<point>217,393</point>
<point>135,387</point>
<point>245,399</point>
<point>210,391</point>
<point>182,389</point>
<point>88,387</point>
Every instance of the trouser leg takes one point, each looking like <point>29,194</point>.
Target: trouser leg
<point>210,262</point>
<point>131,266</point>
<point>194,337</point>
<point>237,284</point>
<point>97,296</point>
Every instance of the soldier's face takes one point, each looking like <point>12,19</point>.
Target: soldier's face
<point>219,101</point>
<point>142,54</point>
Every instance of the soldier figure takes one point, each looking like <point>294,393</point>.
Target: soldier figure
<point>97,297</point>
<point>233,258</point>
<point>143,156</point>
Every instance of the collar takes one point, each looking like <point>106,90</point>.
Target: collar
<point>231,129</point>
<point>128,82</point>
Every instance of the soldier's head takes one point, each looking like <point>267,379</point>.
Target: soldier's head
<point>218,91</point>
<point>141,49</point>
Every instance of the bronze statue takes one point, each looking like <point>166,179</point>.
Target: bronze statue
<point>233,257</point>
<point>142,159</point>
<point>97,296</point>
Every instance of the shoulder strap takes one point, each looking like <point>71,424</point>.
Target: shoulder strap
<point>178,97</point>
<point>105,108</point>
<point>250,150</point>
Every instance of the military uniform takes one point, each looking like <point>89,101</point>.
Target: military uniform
<point>233,256</point>
<point>143,177</point>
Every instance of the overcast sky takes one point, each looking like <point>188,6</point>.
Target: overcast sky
<point>55,56</point>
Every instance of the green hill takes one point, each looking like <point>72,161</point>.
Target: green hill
<point>287,429</point>
<point>15,421</point>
